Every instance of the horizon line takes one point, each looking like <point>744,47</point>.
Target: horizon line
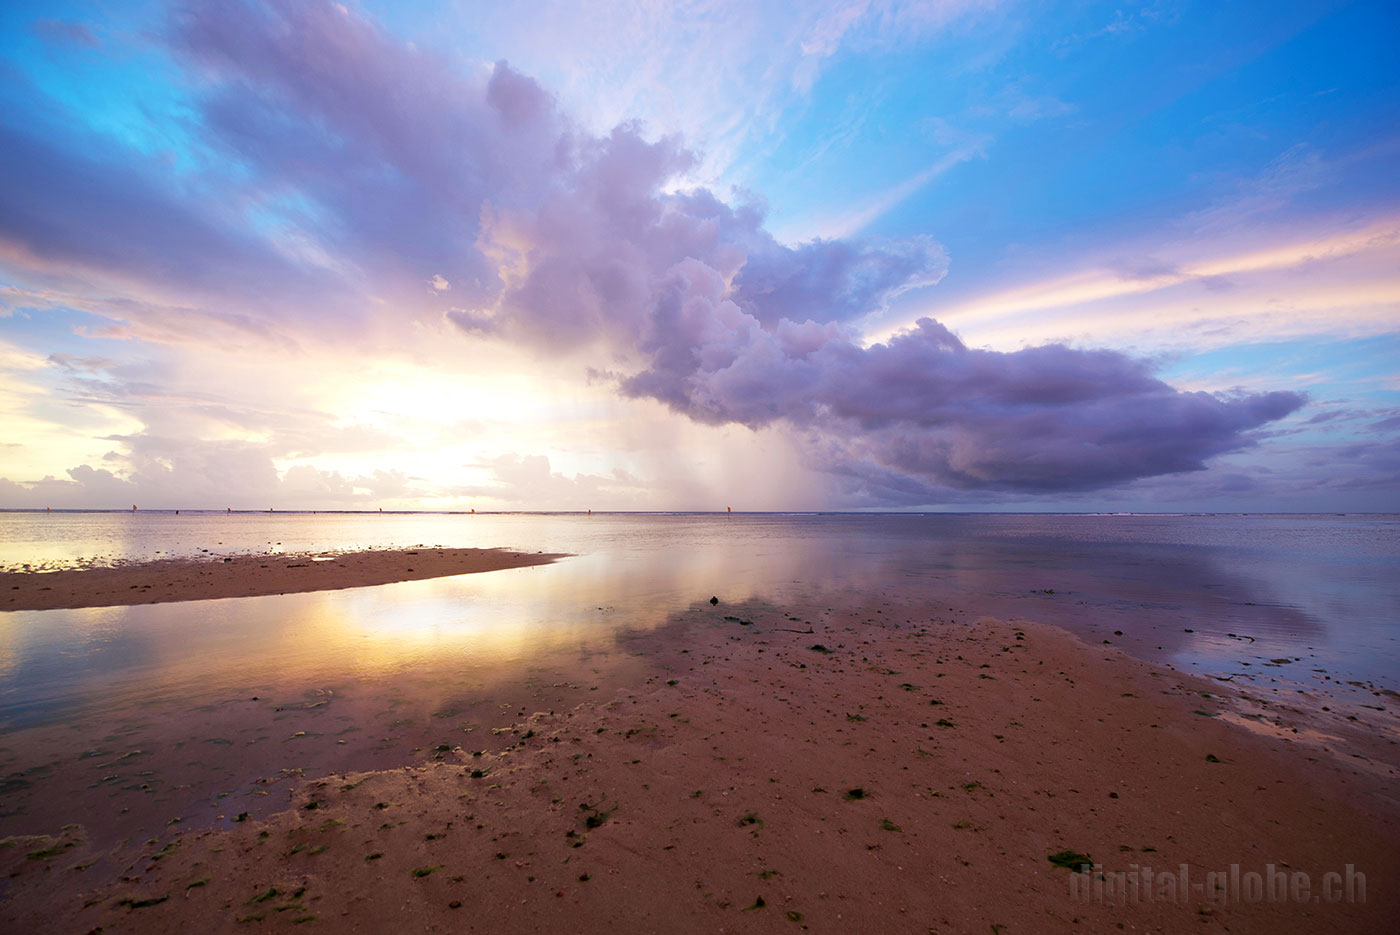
<point>172,511</point>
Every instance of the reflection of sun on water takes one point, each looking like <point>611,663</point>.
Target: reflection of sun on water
<point>504,615</point>
<point>9,652</point>
<point>208,651</point>
<point>368,630</point>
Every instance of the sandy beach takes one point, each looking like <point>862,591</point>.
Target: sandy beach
<point>879,766</point>
<point>727,467</point>
<point>245,576</point>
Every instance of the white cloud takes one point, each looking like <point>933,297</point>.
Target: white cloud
<point>1277,284</point>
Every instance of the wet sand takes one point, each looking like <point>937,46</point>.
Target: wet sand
<point>246,576</point>
<point>879,767</point>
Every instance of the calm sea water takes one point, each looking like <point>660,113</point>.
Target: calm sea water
<point>1324,584</point>
<point>210,694</point>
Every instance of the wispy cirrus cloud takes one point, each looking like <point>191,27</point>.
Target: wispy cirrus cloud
<point>724,72</point>
<point>856,219</point>
<point>1198,294</point>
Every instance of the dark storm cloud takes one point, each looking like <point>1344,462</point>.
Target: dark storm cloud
<point>929,411</point>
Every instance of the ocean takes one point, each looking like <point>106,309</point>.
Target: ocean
<point>365,677</point>
<point>1322,584</point>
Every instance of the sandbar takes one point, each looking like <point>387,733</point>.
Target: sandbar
<point>166,580</point>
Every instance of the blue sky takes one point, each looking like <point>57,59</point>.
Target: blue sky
<point>675,256</point>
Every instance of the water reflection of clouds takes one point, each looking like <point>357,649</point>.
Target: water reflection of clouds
<point>474,618</point>
<point>214,690</point>
<point>1294,587</point>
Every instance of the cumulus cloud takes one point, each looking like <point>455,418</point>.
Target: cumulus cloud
<point>375,167</point>
<point>926,407</point>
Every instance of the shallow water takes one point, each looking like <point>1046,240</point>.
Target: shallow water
<point>1320,583</point>
<point>140,715</point>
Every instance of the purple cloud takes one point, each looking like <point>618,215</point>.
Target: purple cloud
<point>927,408</point>
<point>1387,424</point>
<point>70,207</point>
<point>391,169</point>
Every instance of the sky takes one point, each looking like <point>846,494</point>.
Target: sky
<point>858,255</point>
